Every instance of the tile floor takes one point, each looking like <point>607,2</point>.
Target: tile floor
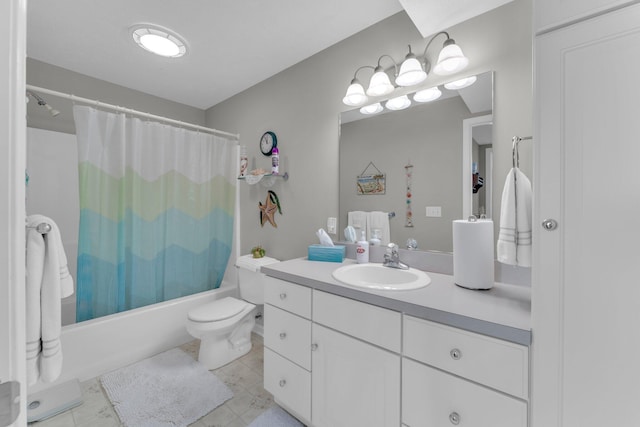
<point>243,376</point>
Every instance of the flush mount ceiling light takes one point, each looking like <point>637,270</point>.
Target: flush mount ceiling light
<point>158,40</point>
<point>412,71</point>
<point>462,83</point>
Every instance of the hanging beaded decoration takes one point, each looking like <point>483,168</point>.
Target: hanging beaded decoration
<point>408,219</point>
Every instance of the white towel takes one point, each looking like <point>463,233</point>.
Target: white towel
<point>358,220</point>
<point>514,238</point>
<point>379,220</point>
<point>48,280</point>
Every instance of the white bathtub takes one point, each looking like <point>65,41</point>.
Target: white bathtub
<point>100,345</point>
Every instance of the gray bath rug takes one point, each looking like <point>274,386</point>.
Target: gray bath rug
<point>167,390</point>
<point>275,417</point>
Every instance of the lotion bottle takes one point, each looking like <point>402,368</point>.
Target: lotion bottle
<point>275,161</point>
<point>362,249</point>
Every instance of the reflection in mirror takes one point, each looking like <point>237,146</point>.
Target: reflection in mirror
<point>428,137</point>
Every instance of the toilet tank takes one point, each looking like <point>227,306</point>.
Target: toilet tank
<point>250,280</point>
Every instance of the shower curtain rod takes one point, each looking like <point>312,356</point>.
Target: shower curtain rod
<point>97,103</point>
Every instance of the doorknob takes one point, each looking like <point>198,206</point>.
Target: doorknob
<point>549,224</point>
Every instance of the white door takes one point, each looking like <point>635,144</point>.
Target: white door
<point>586,272</point>
<point>354,384</point>
<point>12,211</point>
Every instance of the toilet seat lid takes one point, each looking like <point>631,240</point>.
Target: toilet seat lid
<point>217,310</point>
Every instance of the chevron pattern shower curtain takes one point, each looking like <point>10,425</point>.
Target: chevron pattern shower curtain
<point>156,211</point>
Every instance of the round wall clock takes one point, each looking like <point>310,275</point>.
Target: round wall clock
<point>268,142</point>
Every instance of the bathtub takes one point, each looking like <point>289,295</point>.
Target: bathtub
<point>97,346</point>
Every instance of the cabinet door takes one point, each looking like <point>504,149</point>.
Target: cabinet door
<point>554,13</point>
<point>353,383</point>
<point>586,272</point>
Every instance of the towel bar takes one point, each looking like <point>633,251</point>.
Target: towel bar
<point>42,228</point>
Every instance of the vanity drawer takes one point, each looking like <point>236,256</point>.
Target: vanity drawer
<point>288,296</point>
<point>376,325</point>
<point>495,363</point>
<point>288,382</point>
<point>431,397</point>
<point>288,335</point>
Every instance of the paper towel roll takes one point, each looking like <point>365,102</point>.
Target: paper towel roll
<point>473,263</point>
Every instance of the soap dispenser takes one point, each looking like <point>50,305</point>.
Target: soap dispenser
<point>362,249</point>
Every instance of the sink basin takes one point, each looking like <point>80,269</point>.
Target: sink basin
<point>376,276</point>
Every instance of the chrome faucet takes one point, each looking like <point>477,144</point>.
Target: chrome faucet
<point>392,258</point>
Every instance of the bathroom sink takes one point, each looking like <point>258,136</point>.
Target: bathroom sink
<point>377,276</point>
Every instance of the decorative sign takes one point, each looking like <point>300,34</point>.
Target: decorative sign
<point>408,222</point>
<point>371,182</point>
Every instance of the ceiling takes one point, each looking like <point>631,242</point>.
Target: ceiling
<point>232,44</point>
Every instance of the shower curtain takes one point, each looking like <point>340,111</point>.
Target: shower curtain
<point>156,211</point>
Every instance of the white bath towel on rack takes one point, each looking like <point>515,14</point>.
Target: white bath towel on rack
<point>48,280</point>
<point>514,237</point>
<point>379,220</point>
<point>358,220</point>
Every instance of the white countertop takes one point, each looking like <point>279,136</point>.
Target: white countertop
<point>502,312</point>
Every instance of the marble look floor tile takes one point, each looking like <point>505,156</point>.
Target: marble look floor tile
<point>219,417</point>
<point>237,422</point>
<point>62,420</point>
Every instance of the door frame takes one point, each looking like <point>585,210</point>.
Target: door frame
<point>13,18</point>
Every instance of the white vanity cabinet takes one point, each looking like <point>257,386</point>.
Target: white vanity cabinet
<point>337,362</point>
<point>455,377</point>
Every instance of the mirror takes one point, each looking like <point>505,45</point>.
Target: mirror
<point>445,147</point>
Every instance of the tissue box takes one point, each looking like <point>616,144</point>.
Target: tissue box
<point>326,253</point>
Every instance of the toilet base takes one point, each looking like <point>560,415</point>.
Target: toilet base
<point>217,351</point>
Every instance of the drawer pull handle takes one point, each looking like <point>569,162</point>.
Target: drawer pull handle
<point>314,347</point>
<point>283,296</point>
<point>454,418</point>
<point>283,335</point>
<point>282,383</point>
<point>456,354</point>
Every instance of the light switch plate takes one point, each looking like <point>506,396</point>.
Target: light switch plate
<point>434,211</point>
<point>331,225</point>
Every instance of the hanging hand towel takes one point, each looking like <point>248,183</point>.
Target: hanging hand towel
<point>358,220</point>
<point>379,220</point>
<point>514,238</point>
<point>48,280</point>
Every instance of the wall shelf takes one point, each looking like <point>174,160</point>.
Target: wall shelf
<point>267,178</point>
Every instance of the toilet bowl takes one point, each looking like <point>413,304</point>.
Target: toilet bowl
<point>224,326</point>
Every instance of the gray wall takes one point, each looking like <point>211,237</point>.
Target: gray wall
<point>302,105</point>
<point>430,137</point>
<point>59,79</point>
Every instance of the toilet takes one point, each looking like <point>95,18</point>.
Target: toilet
<point>224,326</point>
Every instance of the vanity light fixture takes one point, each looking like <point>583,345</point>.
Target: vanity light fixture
<point>372,108</point>
<point>398,103</point>
<point>427,95</point>
<point>462,83</point>
<point>355,95</point>
<point>380,85</point>
<point>450,61</point>
<point>158,40</point>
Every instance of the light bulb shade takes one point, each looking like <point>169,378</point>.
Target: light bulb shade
<point>372,108</point>
<point>355,95</point>
<point>427,95</point>
<point>398,103</point>
<point>462,83</point>
<point>379,84</point>
<point>158,40</point>
<point>411,72</point>
<point>451,59</point>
